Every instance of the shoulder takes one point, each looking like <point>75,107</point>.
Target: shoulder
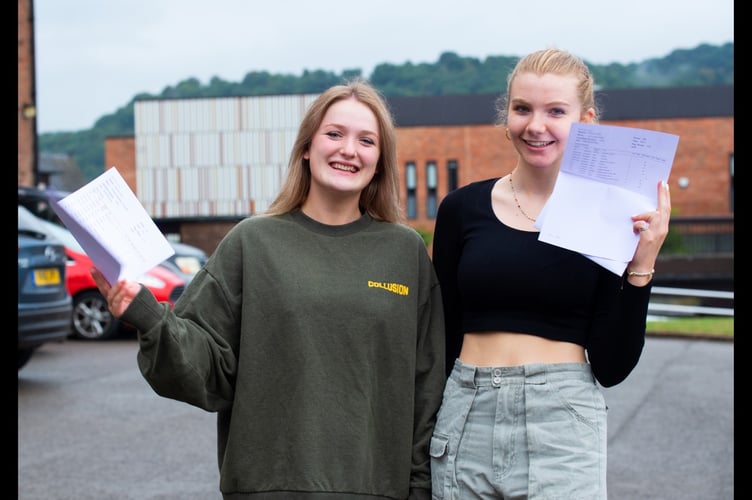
<point>399,230</point>
<point>471,190</point>
<point>401,238</point>
<point>252,228</point>
<point>260,222</point>
<point>263,220</point>
<point>475,194</point>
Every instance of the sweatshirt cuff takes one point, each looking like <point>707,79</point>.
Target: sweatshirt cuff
<point>419,494</point>
<point>144,312</point>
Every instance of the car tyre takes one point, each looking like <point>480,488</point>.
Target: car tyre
<point>24,355</point>
<point>92,319</point>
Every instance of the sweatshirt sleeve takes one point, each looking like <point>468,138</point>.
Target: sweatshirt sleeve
<point>188,353</point>
<point>429,383</point>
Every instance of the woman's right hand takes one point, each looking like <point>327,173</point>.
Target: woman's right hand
<point>119,296</point>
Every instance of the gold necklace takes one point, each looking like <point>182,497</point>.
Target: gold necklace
<point>514,195</point>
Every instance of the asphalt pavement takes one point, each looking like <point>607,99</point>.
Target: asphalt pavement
<point>671,423</point>
<point>90,427</point>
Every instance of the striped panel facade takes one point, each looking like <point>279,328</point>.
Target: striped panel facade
<point>216,156</point>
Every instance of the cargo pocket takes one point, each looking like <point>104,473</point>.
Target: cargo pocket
<point>439,451</point>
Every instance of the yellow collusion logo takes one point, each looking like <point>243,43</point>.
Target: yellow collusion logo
<point>390,287</point>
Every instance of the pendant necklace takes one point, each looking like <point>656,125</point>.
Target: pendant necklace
<point>514,195</point>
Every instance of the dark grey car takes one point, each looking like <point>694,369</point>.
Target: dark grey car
<point>44,305</point>
<point>186,261</point>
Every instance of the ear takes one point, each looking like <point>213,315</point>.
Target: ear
<point>588,116</point>
<point>306,155</point>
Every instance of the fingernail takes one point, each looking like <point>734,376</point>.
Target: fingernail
<point>665,185</point>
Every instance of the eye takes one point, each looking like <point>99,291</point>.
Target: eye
<point>368,140</point>
<point>521,108</point>
<point>558,112</point>
<point>333,134</point>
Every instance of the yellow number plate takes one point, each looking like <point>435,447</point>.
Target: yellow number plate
<point>44,277</point>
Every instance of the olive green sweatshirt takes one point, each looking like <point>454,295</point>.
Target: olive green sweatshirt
<point>320,347</point>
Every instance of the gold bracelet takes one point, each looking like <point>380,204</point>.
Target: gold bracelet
<point>641,275</point>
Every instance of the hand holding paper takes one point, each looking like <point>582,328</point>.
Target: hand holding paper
<point>607,174</point>
<point>113,227</point>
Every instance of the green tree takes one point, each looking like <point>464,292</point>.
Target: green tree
<point>450,74</point>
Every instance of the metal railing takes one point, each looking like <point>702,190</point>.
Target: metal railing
<point>672,306</point>
<point>700,235</point>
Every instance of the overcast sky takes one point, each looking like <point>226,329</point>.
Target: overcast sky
<point>94,56</point>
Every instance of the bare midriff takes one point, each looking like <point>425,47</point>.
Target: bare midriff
<point>514,349</point>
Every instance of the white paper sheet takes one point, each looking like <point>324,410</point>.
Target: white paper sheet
<point>608,174</point>
<point>113,227</point>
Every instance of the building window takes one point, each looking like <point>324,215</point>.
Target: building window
<point>411,183</point>
<point>731,186</point>
<point>452,175</point>
<point>431,202</point>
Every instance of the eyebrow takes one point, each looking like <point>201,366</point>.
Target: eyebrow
<point>519,100</point>
<point>339,125</point>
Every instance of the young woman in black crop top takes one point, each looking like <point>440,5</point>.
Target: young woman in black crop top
<point>532,328</point>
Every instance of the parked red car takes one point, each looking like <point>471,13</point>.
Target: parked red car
<point>92,319</point>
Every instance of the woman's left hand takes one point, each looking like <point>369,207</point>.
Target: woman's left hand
<point>653,229</point>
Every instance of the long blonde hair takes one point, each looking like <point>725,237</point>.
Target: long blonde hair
<point>380,198</point>
<point>557,62</point>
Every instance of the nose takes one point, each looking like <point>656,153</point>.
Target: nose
<point>537,123</point>
<point>348,148</point>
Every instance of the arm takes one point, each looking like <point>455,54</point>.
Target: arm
<point>447,248</point>
<point>189,353</point>
<point>429,386</point>
<point>653,229</point>
<point>618,331</point>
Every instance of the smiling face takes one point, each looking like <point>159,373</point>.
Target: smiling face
<point>344,151</point>
<point>541,110</point>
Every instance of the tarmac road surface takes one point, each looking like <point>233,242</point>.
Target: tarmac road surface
<point>90,428</point>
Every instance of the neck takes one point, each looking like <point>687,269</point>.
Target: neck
<point>534,182</point>
<point>517,201</point>
<point>536,191</point>
<point>332,215</point>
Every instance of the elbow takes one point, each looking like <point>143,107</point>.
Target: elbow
<point>611,375</point>
<point>613,365</point>
<point>609,381</point>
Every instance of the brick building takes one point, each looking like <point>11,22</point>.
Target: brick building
<point>442,142</point>
<point>27,126</point>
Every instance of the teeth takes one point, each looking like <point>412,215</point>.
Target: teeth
<point>537,144</point>
<point>346,168</point>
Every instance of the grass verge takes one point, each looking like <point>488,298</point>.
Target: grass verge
<point>704,326</point>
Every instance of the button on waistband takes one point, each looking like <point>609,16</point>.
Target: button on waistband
<point>496,376</point>
<point>536,373</point>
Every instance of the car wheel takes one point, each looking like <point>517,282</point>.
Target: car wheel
<point>24,355</point>
<point>92,319</point>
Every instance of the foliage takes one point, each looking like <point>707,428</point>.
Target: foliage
<point>426,235</point>
<point>702,325</point>
<point>674,242</point>
<point>450,75</point>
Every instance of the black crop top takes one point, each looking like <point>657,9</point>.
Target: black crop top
<point>496,278</point>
